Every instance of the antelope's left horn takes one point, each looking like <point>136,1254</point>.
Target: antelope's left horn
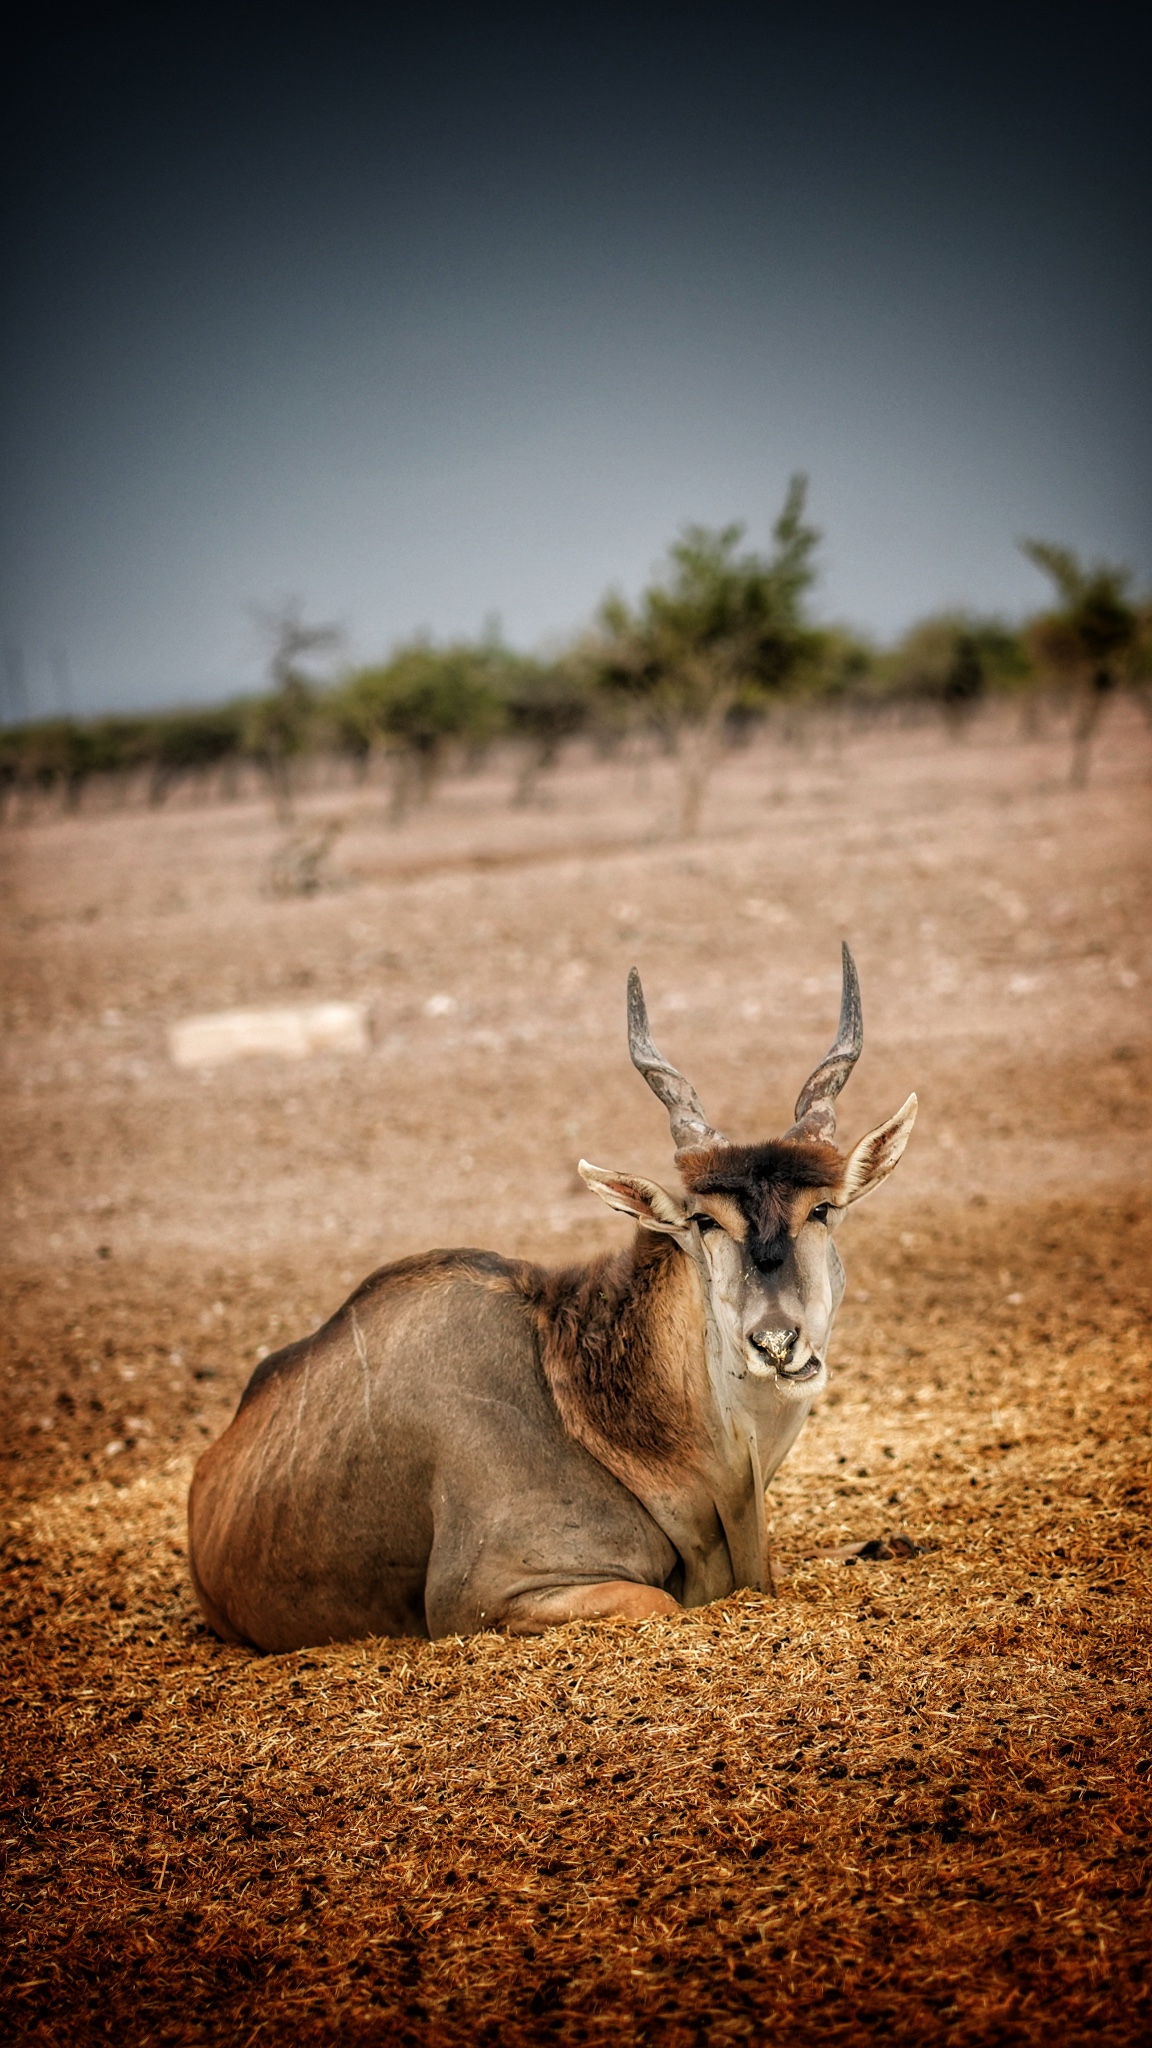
<point>815,1115</point>
<point>690,1126</point>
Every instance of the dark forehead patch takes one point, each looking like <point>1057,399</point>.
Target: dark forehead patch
<point>763,1179</point>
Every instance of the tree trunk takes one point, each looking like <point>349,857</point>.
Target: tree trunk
<point>698,752</point>
<point>1088,717</point>
<point>536,757</point>
<point>401,786</point>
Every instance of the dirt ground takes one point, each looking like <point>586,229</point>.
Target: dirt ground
<point>906,1798</point>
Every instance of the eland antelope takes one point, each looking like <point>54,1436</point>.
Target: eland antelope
<point>475,1442</point>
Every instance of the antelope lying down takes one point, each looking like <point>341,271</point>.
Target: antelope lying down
<point>474,1441</point>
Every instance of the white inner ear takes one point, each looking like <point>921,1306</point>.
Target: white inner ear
<point>650,1204</point>
<point>877,1155</point>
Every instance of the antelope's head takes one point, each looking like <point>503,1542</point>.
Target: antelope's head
<point>760,1219</point>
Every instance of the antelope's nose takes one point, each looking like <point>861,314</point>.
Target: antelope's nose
<point>778,1345</point>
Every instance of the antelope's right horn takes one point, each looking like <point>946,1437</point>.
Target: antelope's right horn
<point>815,1115</point>
<point>690,1126</point>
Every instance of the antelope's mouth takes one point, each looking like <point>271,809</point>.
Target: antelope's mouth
<point>781,1373</point>
<point>792,1375</point>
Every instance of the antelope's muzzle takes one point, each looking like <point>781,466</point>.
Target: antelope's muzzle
<point>778,1349</point>
<point>778,1345</point>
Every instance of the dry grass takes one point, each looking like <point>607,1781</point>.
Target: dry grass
<point>907,1799</point>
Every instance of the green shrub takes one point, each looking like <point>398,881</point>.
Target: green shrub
<point>954,660</point>
<point>420,704</point>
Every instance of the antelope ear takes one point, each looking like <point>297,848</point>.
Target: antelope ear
<point>876,1156</point>
<point>651,1205</point>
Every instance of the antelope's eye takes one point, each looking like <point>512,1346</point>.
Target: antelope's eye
<point>820,1213</point>
<point>704,1223</point>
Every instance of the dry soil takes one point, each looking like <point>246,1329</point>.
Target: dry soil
<point>906,1798</point>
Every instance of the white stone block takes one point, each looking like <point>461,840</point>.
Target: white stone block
<point>291,1031</point>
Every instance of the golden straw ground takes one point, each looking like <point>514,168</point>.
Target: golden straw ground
<point>905,1800</point>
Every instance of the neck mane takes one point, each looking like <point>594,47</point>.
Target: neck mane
<point>622,1347</point>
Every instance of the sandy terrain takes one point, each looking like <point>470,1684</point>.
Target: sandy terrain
<point>904,1798</point>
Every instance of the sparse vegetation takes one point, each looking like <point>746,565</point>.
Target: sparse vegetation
<point>1094,641</point>
<point>282,726</point>
<point>420,705</point>
<point>705,654</point>
<point>955,661</point>
<point>724,631</point>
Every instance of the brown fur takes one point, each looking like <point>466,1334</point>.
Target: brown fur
<point>620,1340</point>
<point>765,1182</point>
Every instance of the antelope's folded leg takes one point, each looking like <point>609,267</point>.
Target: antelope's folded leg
<point>529,1614</point>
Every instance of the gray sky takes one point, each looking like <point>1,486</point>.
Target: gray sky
<point>426,325</point>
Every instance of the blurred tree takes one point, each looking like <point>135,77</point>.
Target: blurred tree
<point>725,629</point>
<point>184,743</point>
<point>420,703</point>
<point>1140,665</point>
<point>55,754</point>
<point>955,660</point>
<point>543,706</point>
<point>280,725</point>
<point>1096,639</point>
